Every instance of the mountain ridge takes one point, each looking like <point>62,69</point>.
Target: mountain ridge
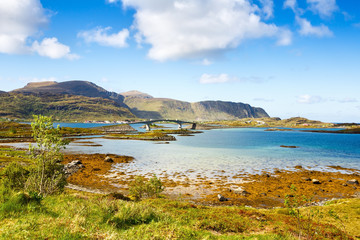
<point>136,103</point>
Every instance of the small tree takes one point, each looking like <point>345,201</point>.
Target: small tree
<point>47,176</point>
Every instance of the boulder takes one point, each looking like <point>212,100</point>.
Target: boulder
<point>108,159</point>
<point>353,182</point>
<point>72,167</point>
<point>222,198</point>
<point>315,181</point>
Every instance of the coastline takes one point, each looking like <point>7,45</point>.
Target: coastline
<point>265,190</point>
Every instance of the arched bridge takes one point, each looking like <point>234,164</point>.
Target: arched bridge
<point>179,122</point>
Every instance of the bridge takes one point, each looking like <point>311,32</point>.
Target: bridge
<point>179,122</point>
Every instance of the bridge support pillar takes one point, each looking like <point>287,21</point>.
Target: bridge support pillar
<point>193,126</point>
<point>148,127</point>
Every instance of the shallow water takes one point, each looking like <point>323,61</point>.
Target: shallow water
<point>242,150</point>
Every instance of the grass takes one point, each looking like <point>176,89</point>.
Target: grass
<point>76,215</point>
<point>152,135</point>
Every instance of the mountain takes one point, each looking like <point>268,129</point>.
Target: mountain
<point>157,108</point>
<point>136,94</point>
<point>82,100</point>
<point>63,107</point>
<point>80,88</point>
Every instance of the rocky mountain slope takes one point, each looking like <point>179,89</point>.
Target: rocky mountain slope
<point>63,107</point>
<point>79,88</point>
<point>154,108</point>
<point>82,100</point>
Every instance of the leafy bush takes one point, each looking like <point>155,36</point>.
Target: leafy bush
<point>47,177</point>
<point>14,176</point>
<point>140,188</point>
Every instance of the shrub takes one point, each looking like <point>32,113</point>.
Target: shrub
<point>140,188</point>
<point>14,176</point>
<point>47,177</point>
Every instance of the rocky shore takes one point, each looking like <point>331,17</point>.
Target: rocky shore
<point>266,190</point>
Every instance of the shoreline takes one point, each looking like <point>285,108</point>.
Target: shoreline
<point>265,190</point>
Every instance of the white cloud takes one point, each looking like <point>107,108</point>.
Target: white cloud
<point>178,29</point>
<point>325,8</point>
<point>292,4</point>
<point>308,99</point>
<point>101,36</point>
<point>268,8</point>
<point>220,78</point>
<point>307,29</point>
<point>113,1</point>
<point>50,47</point>
<point>21,19</point>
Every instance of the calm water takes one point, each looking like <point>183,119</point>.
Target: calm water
<point>234,151</point>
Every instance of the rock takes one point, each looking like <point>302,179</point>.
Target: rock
<point>353,181</point>
<point>344,184</point>
<point>72,167</point>
<point>222,198</point>
<point>306,179</point>
<point>244,193</point>
<point>316,181</point>
<point>329,180</point>
<point>108,159</point>
<point>284,146</point>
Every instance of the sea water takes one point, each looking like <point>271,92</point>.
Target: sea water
<point>232,151</point>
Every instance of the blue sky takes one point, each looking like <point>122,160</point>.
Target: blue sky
<point>291,57</point>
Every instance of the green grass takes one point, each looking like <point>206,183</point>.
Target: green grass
<point>73,215</point>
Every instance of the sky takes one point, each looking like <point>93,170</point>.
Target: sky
<point>290,57</point>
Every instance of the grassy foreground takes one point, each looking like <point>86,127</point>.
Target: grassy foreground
<point>77,215</point>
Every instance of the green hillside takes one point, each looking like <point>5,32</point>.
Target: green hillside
<point>155,108</point>
<point>62,106</point>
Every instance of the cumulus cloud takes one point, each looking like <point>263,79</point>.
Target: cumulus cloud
<point>207,27</point>
<point>307,29</point>
<point>308,99</point>
<point>325,8</point>
<point>101,36</point>
<point>50,47</point>
<point>292,4</point>
<point>20,20</point>
<point>268,8</point>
